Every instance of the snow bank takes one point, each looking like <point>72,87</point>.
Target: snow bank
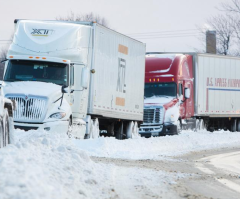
<point>42,165</point>
<point>159,147</point>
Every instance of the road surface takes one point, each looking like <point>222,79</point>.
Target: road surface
<point>198,175</point>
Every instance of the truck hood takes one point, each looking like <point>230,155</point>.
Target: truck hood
<point>43,89</point>
<point>157,100</point>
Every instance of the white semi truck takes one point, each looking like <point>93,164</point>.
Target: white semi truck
<point>81,74</point>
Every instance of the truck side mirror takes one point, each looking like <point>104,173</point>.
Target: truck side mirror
<point>187,93</point>
<point>85,77</point>
<point>64,89</point>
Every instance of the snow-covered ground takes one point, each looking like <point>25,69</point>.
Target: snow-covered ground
<point>42,165</point>
<point>51,165</point>
<point>159,147</point>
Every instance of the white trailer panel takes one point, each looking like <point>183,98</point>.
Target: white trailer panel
<point>217,85</point>
<point>117,86</point>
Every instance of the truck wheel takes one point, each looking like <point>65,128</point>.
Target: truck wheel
<point>1,135</point>
<point>179,126</point>
<point>200,125</point>
<point>6,127</point>
<point>238,125</point>
<point>136,130</point>
<point>119,131</point>
<point>69,132</point>
<point>130,130</point>
<point>95,132</point>
<point>89,126</point>
<point>234,125</point>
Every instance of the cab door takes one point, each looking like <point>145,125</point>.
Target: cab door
<point>79,97</point>
<point>189,102</point>
<point>181,99</point>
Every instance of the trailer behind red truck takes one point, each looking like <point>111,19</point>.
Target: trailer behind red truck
<point>191,91</point>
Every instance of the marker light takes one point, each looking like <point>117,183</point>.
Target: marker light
<point>44,58</point>
<point>64,60</point>
<point>154,79</point>
<point>10,56</point>
<point>30,57</point>
<point>172,79</point>
<point>37,57</point>
<point>150,80</point>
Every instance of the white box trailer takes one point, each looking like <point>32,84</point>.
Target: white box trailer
<point>117,86</point>
<point>101,73</point>
<point>217,85</point>
<point>217,91</point>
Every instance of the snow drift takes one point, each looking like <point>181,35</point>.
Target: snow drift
<point>42,165</point>
<point>159,147</point>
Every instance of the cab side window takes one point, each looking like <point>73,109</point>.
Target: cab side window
<point>180,89</point>
<point>71,75</point>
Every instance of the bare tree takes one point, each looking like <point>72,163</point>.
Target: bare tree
<point>85,17</point>
<point>227,27</point>
<point>225,33</point>
<point>232,7</point>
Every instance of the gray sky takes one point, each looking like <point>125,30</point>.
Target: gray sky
<point>174,20</point>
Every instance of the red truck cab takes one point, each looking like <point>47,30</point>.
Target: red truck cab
<point>168,94</point>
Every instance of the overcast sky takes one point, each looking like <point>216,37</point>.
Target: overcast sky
<point>164,25</point>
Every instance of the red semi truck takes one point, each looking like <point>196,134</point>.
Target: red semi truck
<point>190,90</point>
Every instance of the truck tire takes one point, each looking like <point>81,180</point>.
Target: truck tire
<point>136,130</point>
<point>70,128</point>
<point>130,130</point>
<point>234,125</point>
<point>119,131</point>
<point>6,127</point>
<point>95,133</point>
<point>200,125</point>
<point>179,126</point>
<point>89,126</point>
<point>238,125</point>
<point>1,134</point>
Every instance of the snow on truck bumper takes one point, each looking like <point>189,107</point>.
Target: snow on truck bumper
<point>57,126</point>
<point>157,130</point>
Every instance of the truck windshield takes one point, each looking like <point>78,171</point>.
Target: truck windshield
<point>160,89</point>
<point>21,70</point>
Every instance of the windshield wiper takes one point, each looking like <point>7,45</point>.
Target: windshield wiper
<point>163,96</point>
<point>13,80</point>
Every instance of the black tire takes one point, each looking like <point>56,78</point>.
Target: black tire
<point>69,132</point>
<point>234,125</point>
<point>6,127</point>
<point>119,131</point>
<point>238,125</point>
<point>179,126</point>
<point>1,134</point>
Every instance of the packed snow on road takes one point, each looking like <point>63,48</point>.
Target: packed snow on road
<point>52,165</point>
<point>159,147</point>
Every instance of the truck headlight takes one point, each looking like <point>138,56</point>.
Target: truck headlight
<point>59,115</point>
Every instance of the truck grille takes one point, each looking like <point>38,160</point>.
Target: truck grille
<point>153,116</point>
<point>29,108</point>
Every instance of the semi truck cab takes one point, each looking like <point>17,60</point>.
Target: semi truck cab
<point>37,82</point>
<point>168,94</point>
